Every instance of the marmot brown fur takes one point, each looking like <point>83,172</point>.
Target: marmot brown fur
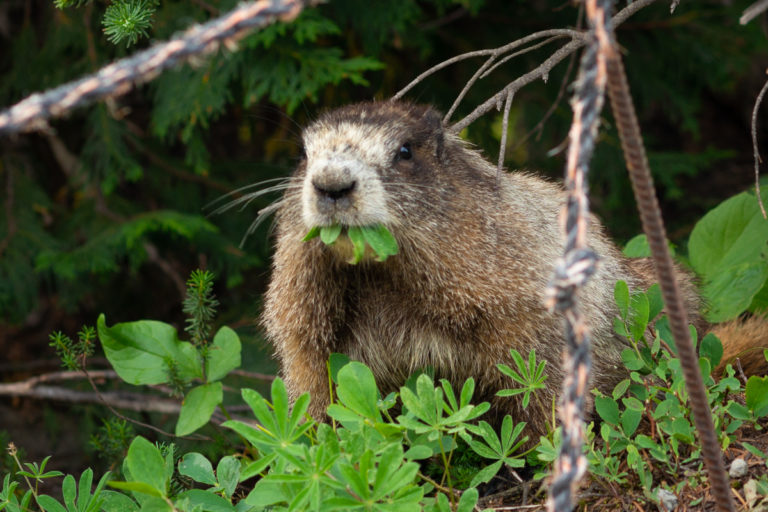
<point>477,250</point>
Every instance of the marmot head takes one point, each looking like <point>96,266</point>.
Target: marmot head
<point>365,161</point>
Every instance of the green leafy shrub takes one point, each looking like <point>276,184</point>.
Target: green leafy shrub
<point>728,250</point>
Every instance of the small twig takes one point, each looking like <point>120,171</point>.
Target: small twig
<point>755,146</point>
<point>753,11</point>
<point>504,131</point>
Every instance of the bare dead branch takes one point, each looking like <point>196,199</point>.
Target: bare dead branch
<point>120,76</point>
<point>487,68</point>
<point>485,53</point>
<point>753,11</point>
<point>35,387</point>
<point>480,71</point>
<point>517,84</point>
<point>578,39</point>
<point>517,54</point>
<point>755,147</point>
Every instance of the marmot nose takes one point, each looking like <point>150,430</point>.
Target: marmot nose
<point>334,191</point>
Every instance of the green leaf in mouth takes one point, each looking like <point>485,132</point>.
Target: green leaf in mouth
<point>377,236</point>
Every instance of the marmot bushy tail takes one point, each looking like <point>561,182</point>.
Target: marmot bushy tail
<point>477,250</point>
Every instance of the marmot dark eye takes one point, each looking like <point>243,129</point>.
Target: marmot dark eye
<point>405,152</point>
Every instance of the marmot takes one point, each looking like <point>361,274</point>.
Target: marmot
<point>476,251</point>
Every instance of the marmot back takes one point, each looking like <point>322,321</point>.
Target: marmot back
<point>477,250</point>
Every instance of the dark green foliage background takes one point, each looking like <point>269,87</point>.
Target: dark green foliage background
<point>106,213</point>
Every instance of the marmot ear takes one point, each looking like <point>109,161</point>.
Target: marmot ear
<point>434,121</point>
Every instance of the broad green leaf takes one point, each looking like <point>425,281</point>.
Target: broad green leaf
<point>733,233</point>
<point>381,241</point>
<point>257,466</point>
<point>266,493</point>
<point>198,406</point>
<point>117,502</point>
<point>467,390</point>
<point>608,409</point>
<point>84,489</point>
<point>50,504</point>
<point>655,301</point>
<point>760,301</point>
<point>637,247</point>
<point>206,500</point>
<point>312,233</point>
<point>630,419</point>
<point>621,296</point>
<point>260,408</point>
<point>392,474</point>
<point>146,466</point>
<point>731,291</point>
<point>620,389</point>
<point>344,415</point>
<point>197,467</point>
<point>329,234</point>
<point>639,315</point>
<point>418,452</point>
<point>355,234</point>
<point>468,500</point>
<point>223,354</point>
<point>738,411</point>
<point>485,474</point>
<point>754,450</point>
<point>631,360</point>
<point>727,248</point>
<point>336,362</point>
<point>139,487</point>
<point>69,491</point>
<point>140,352</point>
<point>228,474</point>
<point>280,406</point>
<point>357,390</point>
<point>756,394</point>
